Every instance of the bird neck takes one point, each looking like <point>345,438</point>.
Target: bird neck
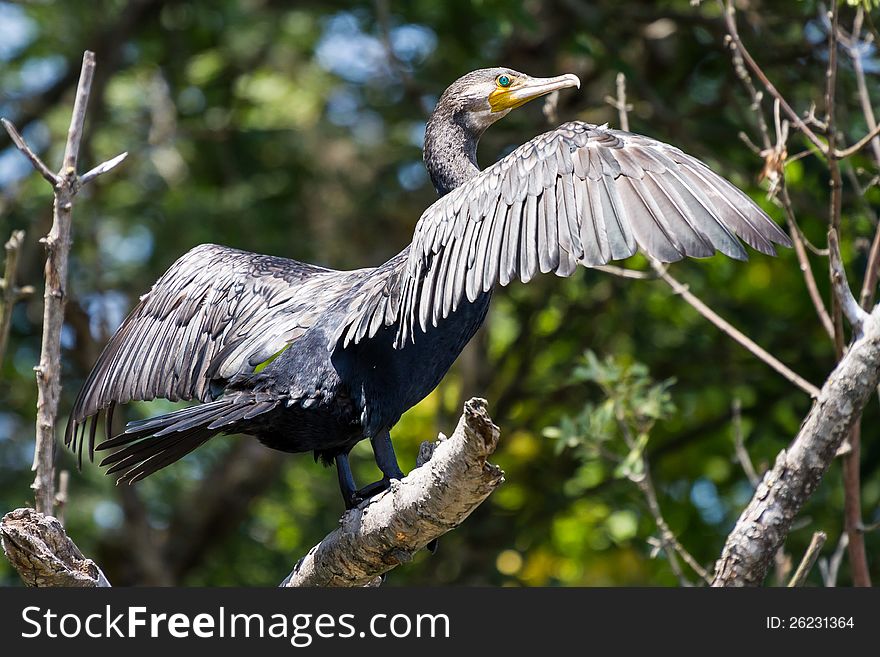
<point>450,150</point>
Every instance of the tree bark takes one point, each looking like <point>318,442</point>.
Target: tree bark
<point>39,549</point>
<point>386,530</point>
<point>766,521</point>
<point>453,478</point>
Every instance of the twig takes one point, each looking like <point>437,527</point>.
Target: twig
<point>624,272</point>
<point>668,542</point>
<point>386,530</point>
<point>619,102</point>
<point>21,145</point>
<point>775,159</point>
<point>830,567</point>
<point>809,560</point>
<point>102,168</point>
<point>729,12</point>
<point>735,333</point>
<point>742,454</point>
<point>850,43</point>
<point>804,262</point>
<point>872,272</point>
<point>848,304</point>
<point>766,521</point>
<point>65,185</point>
<point>840,154</point>
<point>61,496</point>
<point>11,293</point>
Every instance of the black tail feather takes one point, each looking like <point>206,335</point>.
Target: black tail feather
<point>147,446</point>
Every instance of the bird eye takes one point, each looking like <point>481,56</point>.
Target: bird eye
<point>503,81</point>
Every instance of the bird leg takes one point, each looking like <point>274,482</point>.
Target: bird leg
<point>386,460</point>
<point>383,451</point>
<point>346,481</point>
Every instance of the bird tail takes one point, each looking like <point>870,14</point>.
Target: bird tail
<point>152,444</point>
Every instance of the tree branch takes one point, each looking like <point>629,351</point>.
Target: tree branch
<point>65,185</point>
<point>729,12</point>
<point>39,549</point>
<point>452,479</point>
<point>11,294</point>
<point>386,530</point>
<point>733,332</point>
<point>809,560</point>
<point>766,521</point>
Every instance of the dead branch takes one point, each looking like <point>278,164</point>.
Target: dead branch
<point>733,332</point>
<point>39,549</point>
<point>766,521</point>
<point>452,479</point>
<point>65,185</point>
<point>386,530</point>
<point>809,560</point>
<point>11,294</point>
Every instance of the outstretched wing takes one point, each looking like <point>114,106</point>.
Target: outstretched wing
<point>580,194</point>
<point>216,313</point>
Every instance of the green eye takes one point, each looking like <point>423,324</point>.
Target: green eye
<point>503,81</point>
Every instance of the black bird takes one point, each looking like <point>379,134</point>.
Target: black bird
<point>312,359</point>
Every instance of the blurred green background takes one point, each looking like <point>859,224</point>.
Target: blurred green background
<point>295,128</point>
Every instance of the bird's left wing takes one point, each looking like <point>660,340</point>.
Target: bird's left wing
<point>580,194</point>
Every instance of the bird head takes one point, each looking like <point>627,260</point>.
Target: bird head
<point>482,97</point>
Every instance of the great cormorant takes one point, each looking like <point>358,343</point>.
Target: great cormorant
<point>312,359</point>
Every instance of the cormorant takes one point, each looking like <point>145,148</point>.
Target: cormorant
<point>312,359</point>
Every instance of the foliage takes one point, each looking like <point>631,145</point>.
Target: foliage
<point>291,130</point>
<point>632,404</point>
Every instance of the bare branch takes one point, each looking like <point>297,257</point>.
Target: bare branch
<point>766,521</point>
<point>742,454</point>
<point>735,333</point>
<point>35,160</point>
<point>65,186</point>
<point>11,293</point>
<point>831,566</point>
<point>848,304</point>
<point>809,560</point>
<point>729,12</point>
<point>797,237</point>
<point>624,272</point>
<point>668,540</point>
<point>39,549</point>
<point>386,530</point>
<point>57,248</point>
<point>102,168</point>
<point>859,145</point>
<point>619,102</point>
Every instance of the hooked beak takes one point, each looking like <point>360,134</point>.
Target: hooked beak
<point>520,93</point>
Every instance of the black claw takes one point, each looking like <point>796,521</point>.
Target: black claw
<point>432,546</point>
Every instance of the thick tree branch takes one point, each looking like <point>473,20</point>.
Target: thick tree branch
<point>385,531</point>
<point>39,549</point>
<point>453,478</point>
<point>766,521</point>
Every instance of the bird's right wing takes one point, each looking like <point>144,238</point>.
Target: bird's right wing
<point>216,313</point>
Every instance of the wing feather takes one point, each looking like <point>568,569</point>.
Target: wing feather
<point>578,194</point>
<point>210,314</point>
